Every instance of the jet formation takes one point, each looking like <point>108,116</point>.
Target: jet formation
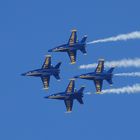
<point>70,94</point>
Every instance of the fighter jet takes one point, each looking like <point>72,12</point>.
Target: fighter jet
<point>72,46</point>
<point>98,76</point>
<point>69,95</point>
<point>45,72</point>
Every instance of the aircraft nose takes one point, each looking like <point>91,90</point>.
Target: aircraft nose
<point>23,74</point>
<point>76,76</point>
<point>50,50</point>
<point>27,74</point>
<point>47,97</point>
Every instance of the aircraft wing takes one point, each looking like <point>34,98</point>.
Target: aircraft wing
<point>100,66</point>
<point>70,87</point>
<point>72,55</point>
<point>46,81</point>
<point>47,62</point>
<point>69,105</point>
<point>73,38</point>
<point>98,85</point>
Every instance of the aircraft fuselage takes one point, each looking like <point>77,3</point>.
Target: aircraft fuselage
<point>65,96</point>
<point>67,47</point>
<point>42,72</point>
<point>95,76</point>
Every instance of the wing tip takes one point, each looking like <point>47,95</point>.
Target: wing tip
<point>73,62</point>
<point>101,59</point>
<point>68,112</point>
<point>98,92</point>
<point>48,56</point>
<point>72,79</point>
<point>46,88</point>
<point>74,30</point>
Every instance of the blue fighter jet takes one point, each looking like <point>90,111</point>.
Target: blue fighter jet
<point>69,95</point>
<point>72,46</point>
<point>98,76</point>
<point>45,72</point>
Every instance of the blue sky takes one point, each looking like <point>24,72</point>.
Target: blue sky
<point>27,30</point>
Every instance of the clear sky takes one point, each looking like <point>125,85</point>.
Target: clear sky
<point>27,30</point>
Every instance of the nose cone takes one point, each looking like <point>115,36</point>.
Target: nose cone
<point>28,74</point>
<point>76,76</point>
<point>56,49</point>
<point>23,74</point>
<point>47,97</point>
<point>51,50</point>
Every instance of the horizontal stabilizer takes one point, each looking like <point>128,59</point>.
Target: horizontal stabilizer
<point>83,50</point>
<point>110,81</point>
<point>80,100</point>
<point>57,76</point>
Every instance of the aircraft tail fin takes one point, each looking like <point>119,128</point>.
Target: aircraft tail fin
<point>111,70</point>
<point>110,79</point>
<point>81,89</point>
<point>58,65</point>
<point>84,39</point>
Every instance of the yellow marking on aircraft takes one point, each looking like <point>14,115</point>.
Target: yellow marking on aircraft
<point>70,87</point>
<point>99,67</point>
<point>72,57</point>
<point>47,61</point>
<point>72,38</point>
<point>73,62</point>
<point>82,76</point>
<point>98,87</point>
